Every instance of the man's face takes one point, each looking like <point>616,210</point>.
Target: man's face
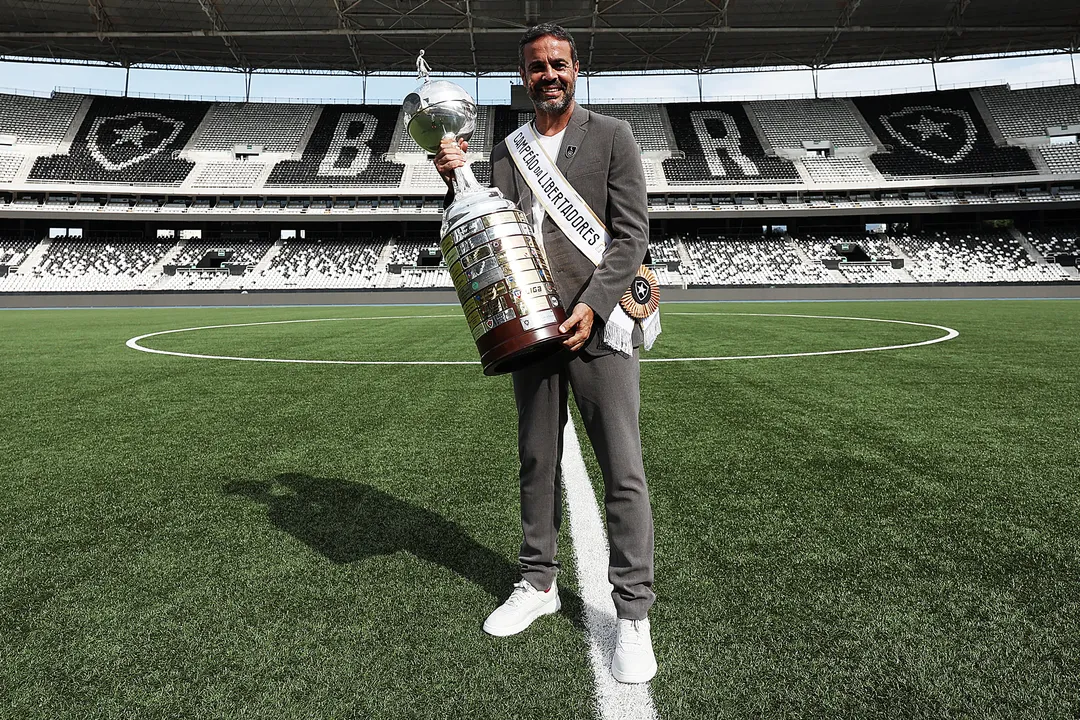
<point>549,74</point>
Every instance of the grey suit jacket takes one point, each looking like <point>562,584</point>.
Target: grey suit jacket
<point>606,169</point>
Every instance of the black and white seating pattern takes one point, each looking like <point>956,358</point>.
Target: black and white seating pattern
<point>1050,243</point>
<point>14,248</point>
<point>323,264</point>
<point>963,256</point>
<point>720,148</point>
<point>127,141</point>
<point>346,149</point>
<point>245,251</point>
<point>748,261</point>
<point>937,134</point>
<point>102,264</point>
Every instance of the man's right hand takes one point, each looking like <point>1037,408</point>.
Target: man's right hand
<point>449,157</point>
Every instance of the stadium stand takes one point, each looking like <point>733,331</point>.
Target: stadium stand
<point>127,141</point>
<point>720,148</point>
<point>238,174</point>
<point>823,246</point>
<point>277,127</point>
<point>1021,114</point>
<point>245,251</point>
<point>37,121</point>
<point>320,264</point>
<point>347,149</point>
<point>91,265</point>
<point>9,166</point>
<point>983,256</point>
<point>838,170</point>
<point>790,123</point>
<point>936,134</point>
<point>748,261</point>
<point>647,122</point>
<point>1062,159</point>
<point>664,250</point>
<point>14,249</point>
<point>1050,243</point>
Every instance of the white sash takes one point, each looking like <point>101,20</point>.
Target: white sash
<point>580,225</point>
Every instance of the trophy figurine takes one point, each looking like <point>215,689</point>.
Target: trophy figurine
<point>499,272</point>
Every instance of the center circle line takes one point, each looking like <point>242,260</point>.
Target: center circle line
<point>134,343</point>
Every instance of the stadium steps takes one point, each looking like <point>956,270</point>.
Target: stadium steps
<point>685,261</point>
<point>385,257</point>
<point>35,256</point>
<point>1040,162</point>
<point>878,145</point>
<point>669,135</point>
<point>73,129</point>
<point>1026,244</point>
<point>266,260</point>
<point>905,271</point>
<point>301,145</point>
<point>158,268</point>
<point>157,272</point>
<point>988,118</point>
<point>766,143</point>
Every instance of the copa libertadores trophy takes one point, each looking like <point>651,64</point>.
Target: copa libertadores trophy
<point>500,274</point>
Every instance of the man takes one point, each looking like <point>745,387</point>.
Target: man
<point>601,160</point>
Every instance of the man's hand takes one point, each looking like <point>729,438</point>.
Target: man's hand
<point>450,156</point>
<point>580,321</point>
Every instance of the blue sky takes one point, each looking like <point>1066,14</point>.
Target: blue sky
<point>45,78</point>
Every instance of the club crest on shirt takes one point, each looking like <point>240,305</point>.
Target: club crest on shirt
<point>119,141</point>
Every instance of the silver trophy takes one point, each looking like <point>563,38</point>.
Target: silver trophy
<point>500,274</point>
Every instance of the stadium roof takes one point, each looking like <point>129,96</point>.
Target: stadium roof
<point>480,36</point>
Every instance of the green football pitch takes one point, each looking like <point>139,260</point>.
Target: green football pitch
<point>863,535</point>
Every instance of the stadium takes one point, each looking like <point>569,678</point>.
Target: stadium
<point>253,468</point>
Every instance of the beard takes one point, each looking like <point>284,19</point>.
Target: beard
<point>552,105</point>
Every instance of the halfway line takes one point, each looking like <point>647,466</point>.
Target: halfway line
<point>614,700</point>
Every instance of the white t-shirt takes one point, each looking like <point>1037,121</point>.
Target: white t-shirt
<point>551,145</point>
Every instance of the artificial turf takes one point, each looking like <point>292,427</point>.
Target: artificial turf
<point>882,534</point>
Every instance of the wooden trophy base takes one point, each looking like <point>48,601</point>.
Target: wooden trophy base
<point>509,348</point>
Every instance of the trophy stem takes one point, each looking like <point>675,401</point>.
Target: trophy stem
<point>465,182</point>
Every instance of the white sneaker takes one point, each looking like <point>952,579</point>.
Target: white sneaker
<point>524,605</point>
<point>634,661</point>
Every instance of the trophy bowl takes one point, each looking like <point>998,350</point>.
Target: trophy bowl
<point>500,273</point>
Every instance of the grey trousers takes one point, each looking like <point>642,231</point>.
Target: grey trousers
<point>606,389</point>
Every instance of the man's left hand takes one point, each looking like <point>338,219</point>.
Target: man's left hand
<point>580,322</point>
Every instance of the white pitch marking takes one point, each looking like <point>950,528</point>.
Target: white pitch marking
<point>133,343</point>
<point>614,700</point>
<point>949,335</point>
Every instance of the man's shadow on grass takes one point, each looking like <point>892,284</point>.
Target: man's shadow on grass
<point>347,521</point>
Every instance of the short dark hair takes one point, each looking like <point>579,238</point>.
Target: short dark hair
<point>544,29</point>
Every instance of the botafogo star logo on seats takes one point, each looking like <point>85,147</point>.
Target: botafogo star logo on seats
<point>119,141</point>
<point>944,134</point>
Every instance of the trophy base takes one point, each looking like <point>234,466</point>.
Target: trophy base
<point>506,350</point>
